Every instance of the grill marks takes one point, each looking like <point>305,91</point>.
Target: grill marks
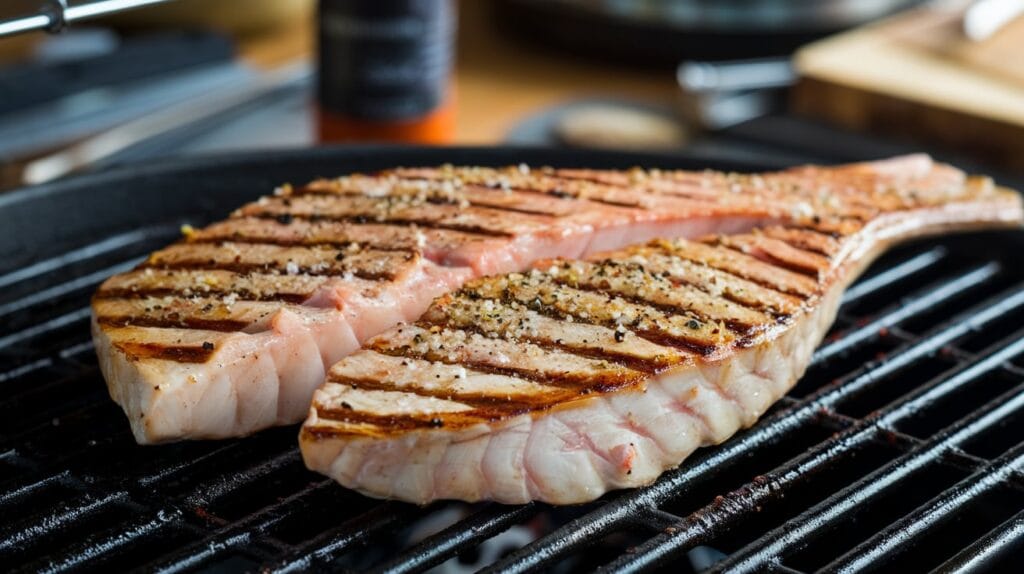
<point>397,210</point>
<point>777,252</point>
<point>657,258</point>
<point>635,284</point>
<point>680,328</point>
<point>441,192</point>
<point>480,401</point>
<point>525,181</point>
<point>503,357</point>
<point>774,190</point>
<point>213,282</point>
<point>220,325</point>
<point>476,378</point>
<point>282,252</point>
<point>523,343</point>
<point>691,185</point>
<point>183,346</point>
<point>383,237</point>
<point>186,329</point>
<point>252,272</point>
<point>763,273</point>
<point>807,239</point>
<point>468,228</point>
<point>382,409</point>
<point>179,354</point>
<point>622,192</point>
<point>229,287</point>
<point>376,371</point>
<point>513,321</point>
<point>372,264</point>
<point>206,313</point>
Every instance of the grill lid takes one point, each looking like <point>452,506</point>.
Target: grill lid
<point>900,447</point>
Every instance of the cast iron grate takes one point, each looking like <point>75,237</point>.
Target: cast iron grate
<point>901,446</point>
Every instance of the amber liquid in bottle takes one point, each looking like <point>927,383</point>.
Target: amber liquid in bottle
<point>385,71</point>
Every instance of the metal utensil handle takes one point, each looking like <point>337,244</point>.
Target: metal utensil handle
<point>55,15</point>
<point>734,75</point>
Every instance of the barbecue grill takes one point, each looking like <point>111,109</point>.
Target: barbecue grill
<point>900,449</point>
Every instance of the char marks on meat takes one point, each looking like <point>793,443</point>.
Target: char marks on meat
<point>231,329</point>
<point>583,376</point>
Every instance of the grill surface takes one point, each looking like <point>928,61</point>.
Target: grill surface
<point>901,448</point>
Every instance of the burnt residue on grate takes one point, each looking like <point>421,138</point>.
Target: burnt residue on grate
<point>899,449</point>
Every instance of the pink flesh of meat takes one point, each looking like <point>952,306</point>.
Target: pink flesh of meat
<point>228,366</point>
<point>581,377</point>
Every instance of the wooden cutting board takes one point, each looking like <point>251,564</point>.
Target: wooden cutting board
<point>916,75</point>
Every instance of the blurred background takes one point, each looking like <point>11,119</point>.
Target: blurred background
<point>779,81</point>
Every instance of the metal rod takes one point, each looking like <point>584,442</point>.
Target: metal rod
<point>54,16</point>
<point>24,24</point>
<point>823,518</point>
<point>782,426</point>
<point>728,509</point>
<point>943,509</point>
<point>999,544</point>
<point>467,532</point>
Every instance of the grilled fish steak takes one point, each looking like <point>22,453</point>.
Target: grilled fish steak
<point>231,329</point>
<point>583,376</point>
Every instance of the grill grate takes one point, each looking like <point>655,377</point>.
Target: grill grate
<point>901,446</point>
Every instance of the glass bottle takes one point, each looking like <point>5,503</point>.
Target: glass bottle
<point>385,71</point>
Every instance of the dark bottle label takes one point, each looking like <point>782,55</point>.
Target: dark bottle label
<point>385,59</point>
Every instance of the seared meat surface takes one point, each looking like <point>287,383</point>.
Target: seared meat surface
<point>583,376</point>
<point>231,329</point>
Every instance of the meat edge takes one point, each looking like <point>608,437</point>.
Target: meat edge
<point>692,410</point>
<point>238,390</point>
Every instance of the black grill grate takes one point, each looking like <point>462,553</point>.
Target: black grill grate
<point>901,448</point>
